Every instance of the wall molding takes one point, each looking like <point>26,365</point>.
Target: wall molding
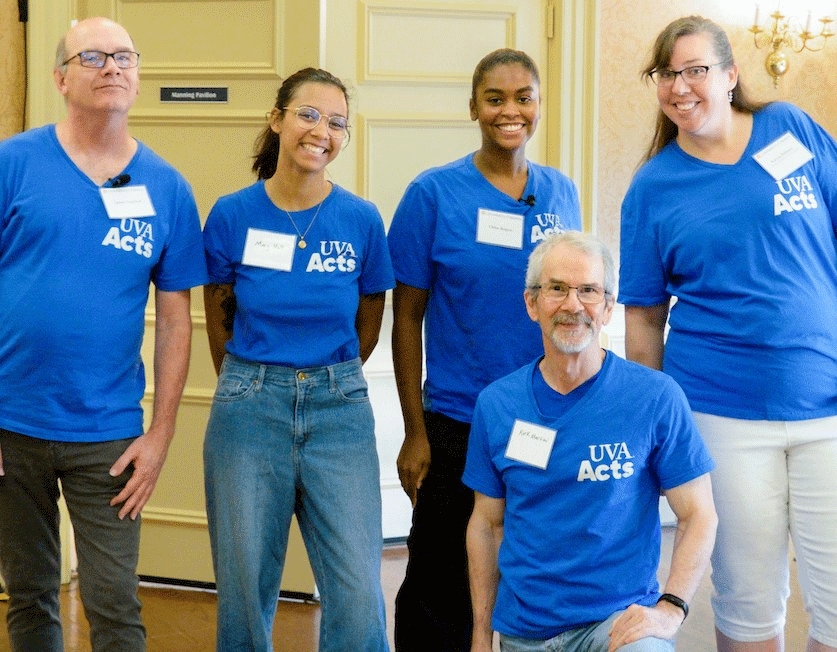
<point>573,97</point>
<point>178,517</point>
<point>378,374</point>
<point>366,124</point>
<point>370,10</point>
<point>194,396</point>
<point>216,69</point>
<point>179,117</point>
<point>198,318</point>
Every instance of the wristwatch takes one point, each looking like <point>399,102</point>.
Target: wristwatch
<point>677,602</point>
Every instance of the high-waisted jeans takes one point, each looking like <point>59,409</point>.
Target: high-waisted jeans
<point>282,441</point>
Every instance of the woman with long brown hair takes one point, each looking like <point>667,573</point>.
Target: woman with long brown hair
<point>734,214</point>
<point>299,268</point>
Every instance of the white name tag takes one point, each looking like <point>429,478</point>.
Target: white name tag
<point>269,250</point>
<point>783,156</point>
<point>500,229</point>
<point>530,443</point>
<point>126,202</point>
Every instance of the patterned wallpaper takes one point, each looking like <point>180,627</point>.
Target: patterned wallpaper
<point>12,64</point>
<point>627,108</point>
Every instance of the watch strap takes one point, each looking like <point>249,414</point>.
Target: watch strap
<point>677,602</point>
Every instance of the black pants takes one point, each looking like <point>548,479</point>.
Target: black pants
<point>433,606</point>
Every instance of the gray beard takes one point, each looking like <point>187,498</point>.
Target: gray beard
<point>571,347</point>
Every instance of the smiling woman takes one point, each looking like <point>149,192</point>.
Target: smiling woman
<point>739,239</point>
<point>12,70</point>
<point>298,267</point>
<point>459,241</point>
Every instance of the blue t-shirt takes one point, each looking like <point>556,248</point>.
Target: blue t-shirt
<point>753,264</point>
<point>581,537</point>
<point>74,287</point>
<point>305,317</point>
<point>476,327</point>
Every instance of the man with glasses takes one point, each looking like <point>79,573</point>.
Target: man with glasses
<point>567,457</point>
<point>89,217</point>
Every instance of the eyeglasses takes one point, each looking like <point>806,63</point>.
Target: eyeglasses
<point>95,59</point>
<point>589,294</point>
<point>308,117</point>
<point>691,75</point>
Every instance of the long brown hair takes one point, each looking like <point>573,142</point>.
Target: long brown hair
<point>665,130</point>
<point>267,143</point>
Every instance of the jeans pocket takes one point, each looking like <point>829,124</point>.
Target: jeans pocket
<point>234,386</point>
<point>352,388</point>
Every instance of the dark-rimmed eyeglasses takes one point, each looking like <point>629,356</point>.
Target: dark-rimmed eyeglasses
<point>690,75</point>
<point>308,117</point>
<point>95,59</point>
<point>590,294</point>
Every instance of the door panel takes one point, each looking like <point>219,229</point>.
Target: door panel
<point>237,44</point>
<point>410,65</point>
<point>409,69</point>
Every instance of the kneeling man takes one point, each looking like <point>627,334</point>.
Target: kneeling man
<point>568,457</point>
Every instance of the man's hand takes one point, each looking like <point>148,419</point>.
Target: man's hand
<point>413,464</point>
<point>147,454</point>
<point>660,621</point>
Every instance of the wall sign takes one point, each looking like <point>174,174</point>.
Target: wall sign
<point>170,94</point>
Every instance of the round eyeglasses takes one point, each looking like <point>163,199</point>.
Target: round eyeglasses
<point>589,294</point>
<point>691,75</point>
<point>308,117</point>
<point>96,59</point>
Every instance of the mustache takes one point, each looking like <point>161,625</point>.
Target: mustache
<point>568,318</point>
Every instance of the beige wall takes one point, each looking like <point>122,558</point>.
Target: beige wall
<point>627,108</point>
<point>11,69</point>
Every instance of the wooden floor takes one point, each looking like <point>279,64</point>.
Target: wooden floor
<point>184,621</point>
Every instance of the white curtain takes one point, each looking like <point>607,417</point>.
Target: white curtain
<point>12,69</point>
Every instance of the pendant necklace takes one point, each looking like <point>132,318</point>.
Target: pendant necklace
<point>302,244</point>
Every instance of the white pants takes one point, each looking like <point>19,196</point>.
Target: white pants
<point>773,478</point>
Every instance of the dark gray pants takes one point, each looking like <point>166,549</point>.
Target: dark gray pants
<point>30,555</point>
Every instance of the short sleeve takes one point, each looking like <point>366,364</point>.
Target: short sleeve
<point>182,264</point>
<point>642,278</point>
<point>377,275</point>
<point>679,452</point>
<point>411,236</point>
<point>217,243</point>
<point>480,472</point>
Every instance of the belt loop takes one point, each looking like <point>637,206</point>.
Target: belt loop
<point>332,382</point>
<point>262,373</point>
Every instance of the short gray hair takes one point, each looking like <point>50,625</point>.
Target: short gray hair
<point>585,242</point>
<point>61,54</point>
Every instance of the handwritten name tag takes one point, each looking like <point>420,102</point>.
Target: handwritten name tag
<point>269,250</point>
<point>530,443</point>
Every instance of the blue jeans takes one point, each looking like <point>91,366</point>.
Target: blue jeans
<point>282,441</point>
<point>591,638</point>
<point>30,555</point>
